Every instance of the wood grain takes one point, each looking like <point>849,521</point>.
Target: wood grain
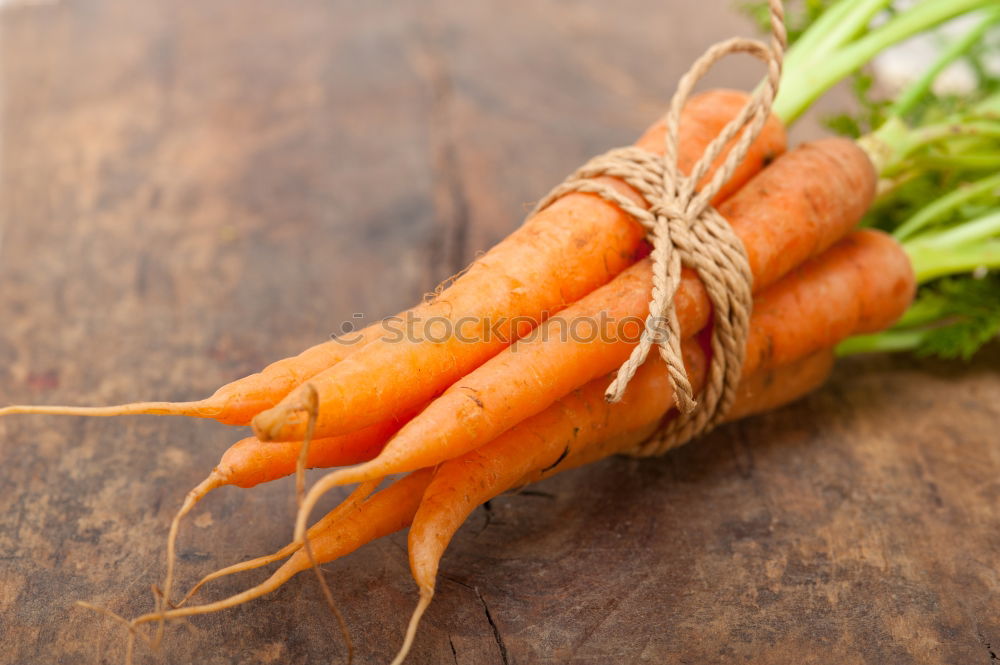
<point>193,188</point>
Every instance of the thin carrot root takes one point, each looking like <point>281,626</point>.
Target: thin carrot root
<point>324,485</point>
<point>426,595</point>
<point>252,564</point>
<point>213,481</point>
<point>296,413</point>
<point>199,409</point>
<point>279,577</point>
<point>312,402</point>
<point>237,402</point>
<point>228,472</point>
<point>132,632</point>
<point>336,535</point>
<point>312,410</point>
<point>353,500</point>
<point>331,603</point>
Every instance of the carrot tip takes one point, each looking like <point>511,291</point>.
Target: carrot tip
<point>411,629</point>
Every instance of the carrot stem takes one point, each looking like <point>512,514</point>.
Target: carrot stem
<point>834,28</point>
<point>966,160</point>
<point>918,90</point>
<point>889,341</point>
<point>931,262</point>
<point>805,80</point>
<point>938,209</point>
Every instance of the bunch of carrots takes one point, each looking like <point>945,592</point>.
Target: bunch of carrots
<point>467,417</point>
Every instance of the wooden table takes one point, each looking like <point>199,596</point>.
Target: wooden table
<point>193,188</point>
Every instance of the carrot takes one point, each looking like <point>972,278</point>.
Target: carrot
<point>250,461</point>
<point>772,389</point>
<point>235,403</point>
<point>863,283</point>
<point>382,513</point>
<point>560,254</point>
<point>535,372</point>
<point>579,429</point>
<point>761,391</point>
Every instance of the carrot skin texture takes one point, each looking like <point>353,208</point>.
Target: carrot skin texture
<point>714,111</point>
<point>532,374</point>
<point>250,462</point>
<point>831,297</point>
<point>761,391</point>
<point>803,203</point>
<point>556,257</point>
<point>771,389</point>
<point>862,284</point>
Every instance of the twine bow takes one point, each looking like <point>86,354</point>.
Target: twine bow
<point>685,230</point>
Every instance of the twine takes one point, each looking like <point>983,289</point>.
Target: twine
<point>685,230</point>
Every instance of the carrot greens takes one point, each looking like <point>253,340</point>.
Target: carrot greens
<point>940,197</point>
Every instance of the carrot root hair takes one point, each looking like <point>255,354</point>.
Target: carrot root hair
<point>213,481</point>
<point>355,499</point>
<point>426,595</point>
<point>328,482</point>
<point>312,411</point>
<point>279,577</point>
<point>252,564</point>
<point>200,409</point>
<point>270,423</point>
<point>132,632</point>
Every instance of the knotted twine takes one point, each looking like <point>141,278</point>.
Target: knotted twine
<point>685,230</point>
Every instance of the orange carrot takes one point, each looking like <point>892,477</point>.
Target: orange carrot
<point>383,513</point>
<point>535,372</point>
<point>235,403</point>
<point>767,390</point>
<point>250,461</point>
<point>761,391</point>
<point>557,256</point>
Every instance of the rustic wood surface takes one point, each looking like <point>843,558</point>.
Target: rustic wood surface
<point>193,188</point>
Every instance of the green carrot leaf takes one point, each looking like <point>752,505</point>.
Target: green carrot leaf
<point>970,317</point>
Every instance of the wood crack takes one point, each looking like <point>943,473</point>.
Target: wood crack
<point>504,656</point>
